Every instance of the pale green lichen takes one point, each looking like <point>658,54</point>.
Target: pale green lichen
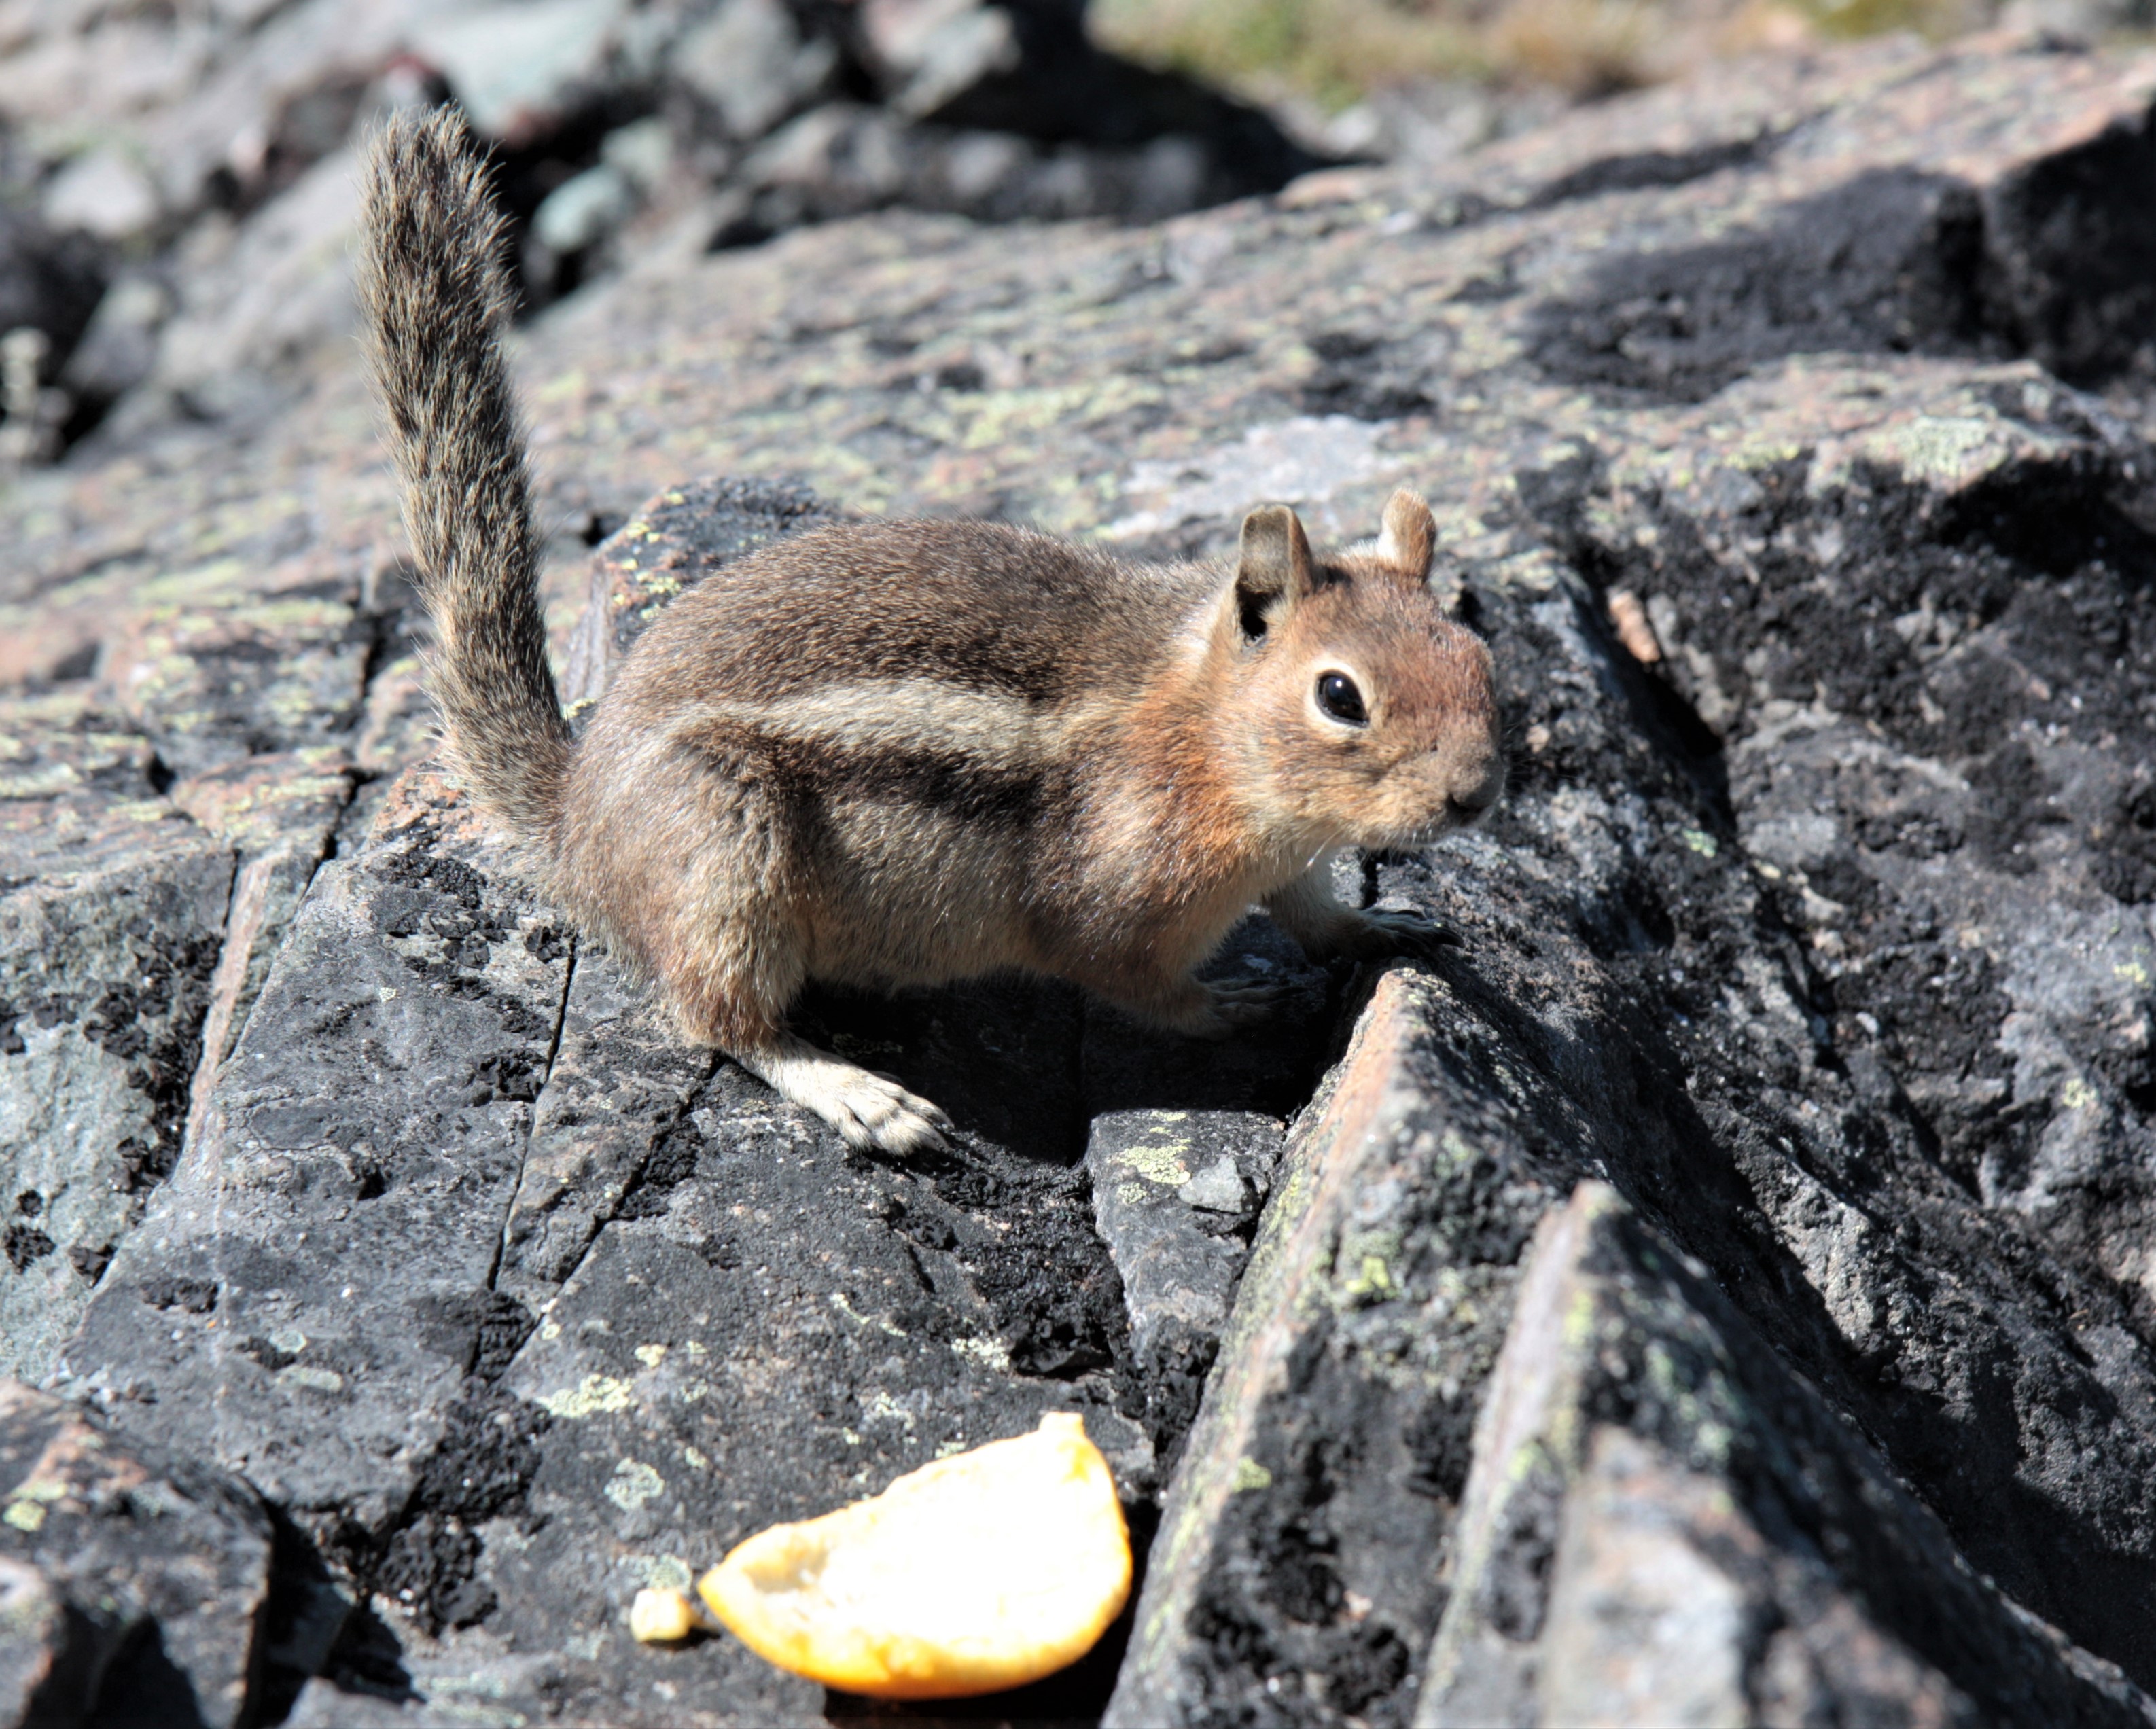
<point>1372,1280</point>
<point>882,1408</point>
<point>595,1395</point>
<point>632,1484</point>
<point>660,1572</point>
<point>843,1304</point>
<point>1160,1161</point>
<point>1941,448</point>
<point>991,1354</point>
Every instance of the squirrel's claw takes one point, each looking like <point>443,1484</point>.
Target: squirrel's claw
<point>932,1112</point>
<point>868,1111</point>
<point>1395,933</point>
<point>1245,1002</point>
<point>873,1111</point>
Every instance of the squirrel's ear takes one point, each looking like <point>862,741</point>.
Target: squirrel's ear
<point>1411,535</point>
<point>1275,570</point>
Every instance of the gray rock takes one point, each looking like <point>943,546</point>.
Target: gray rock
<point>518,69</point>
<point>842,158</point>
<point>132,1584</point>
<point>616,1095</point>
<point>103,192</point>
<point>1218,1187</point>
<point>372,1116</point>
<point>672,543</point>
<point>933,53</point>
<point>119,350</point>
<point>751,62</point>
<point>582,210</point>
<point>265,299</point>
<point>1180,1256</point>
<point>1376,1295</point>
<point>1651,1490</point>
<point>1174,1194</point>
<point>642,152</point>
<point>111,919</point>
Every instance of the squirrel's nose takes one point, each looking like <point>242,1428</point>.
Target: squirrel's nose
<point>1472,799</point>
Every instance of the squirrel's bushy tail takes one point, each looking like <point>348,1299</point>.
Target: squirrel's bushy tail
<point>435,301</point>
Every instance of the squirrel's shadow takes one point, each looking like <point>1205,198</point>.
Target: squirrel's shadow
<point>1028,1064</point>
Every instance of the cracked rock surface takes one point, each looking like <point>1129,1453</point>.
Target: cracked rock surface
<point>1720,1290</point>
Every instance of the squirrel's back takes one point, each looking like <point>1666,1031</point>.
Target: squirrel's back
<point>981,604</point>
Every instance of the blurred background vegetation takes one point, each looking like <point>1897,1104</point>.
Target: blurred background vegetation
<point>1332,54</point>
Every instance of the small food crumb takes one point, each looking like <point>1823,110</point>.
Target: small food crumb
<point>660,1618</point>
<point>1630,617</point>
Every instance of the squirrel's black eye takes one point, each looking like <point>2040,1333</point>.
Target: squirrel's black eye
<point>1338,697</point>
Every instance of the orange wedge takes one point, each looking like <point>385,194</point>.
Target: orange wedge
<point>983,1571</point>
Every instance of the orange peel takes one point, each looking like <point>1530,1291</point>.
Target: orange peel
<point>983,1571</point>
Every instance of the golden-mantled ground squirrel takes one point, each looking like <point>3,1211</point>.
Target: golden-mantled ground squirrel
<point>898,753</point>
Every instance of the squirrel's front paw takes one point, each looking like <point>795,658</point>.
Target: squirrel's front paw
<point>868,1109</point>
<point>1379,935</point>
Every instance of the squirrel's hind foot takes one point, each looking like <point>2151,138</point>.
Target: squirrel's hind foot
<point>869,1111</point>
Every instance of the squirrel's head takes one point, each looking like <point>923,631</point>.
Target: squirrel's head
<point>1376,714</point>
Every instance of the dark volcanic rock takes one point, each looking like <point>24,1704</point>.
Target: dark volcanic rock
<point>1663,1524</point>
<point>134,1584</point>
<point>1789,436</point>
<point>372,1118</point>
<point>108,943</point>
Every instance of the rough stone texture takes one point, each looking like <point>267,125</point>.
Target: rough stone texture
<point>1662,1523</point>
<point>1791,434</point>
<point>140,914</point>
<point>1176,1194</point>
<point>130,1580</point>
<point>112,910</point>
<point>373,1114</point>
<point>1294,1569</point>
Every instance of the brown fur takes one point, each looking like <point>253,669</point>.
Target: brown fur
<point>900,753</point>
<point>433,301</point>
